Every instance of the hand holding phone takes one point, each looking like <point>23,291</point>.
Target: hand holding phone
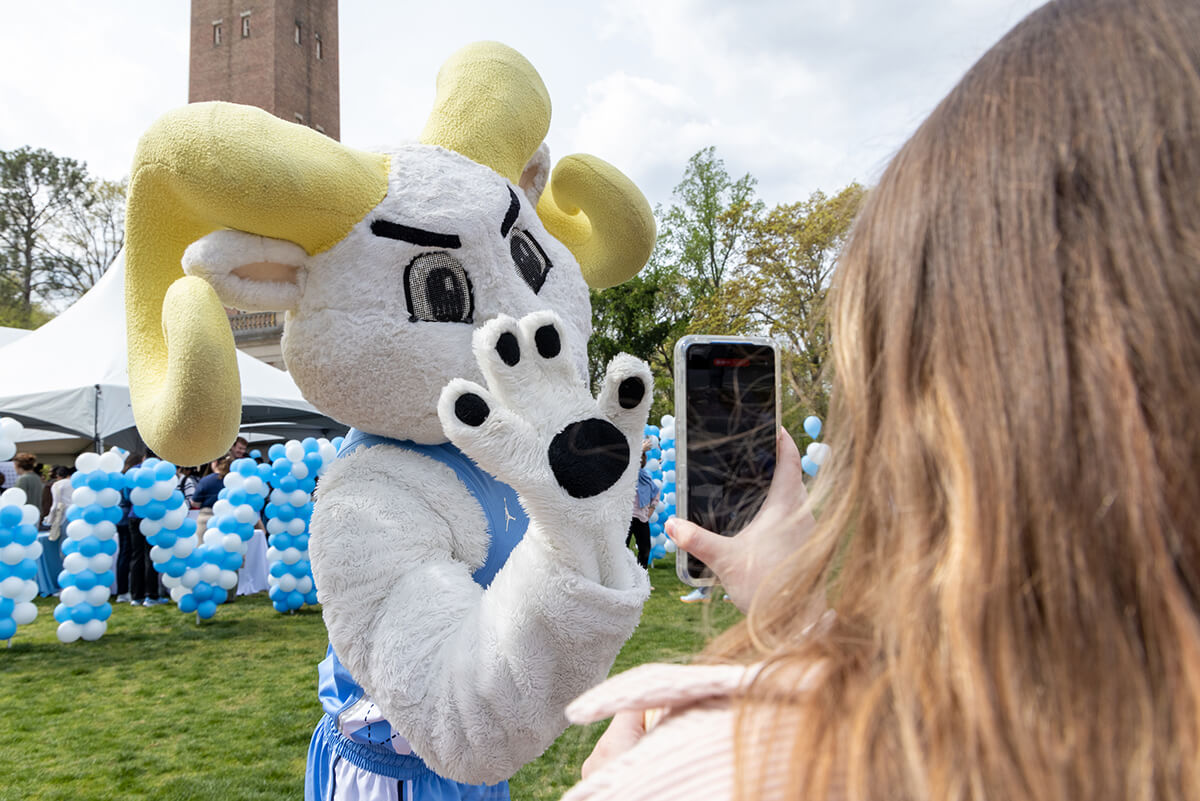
<point>776,532</point>
<point>727,413</point>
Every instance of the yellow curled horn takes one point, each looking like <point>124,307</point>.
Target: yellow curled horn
<point>602,218</point>
<point>197,169</point>
<point>491,106</point>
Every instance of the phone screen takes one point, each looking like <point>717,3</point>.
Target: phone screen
<point>730,435</point>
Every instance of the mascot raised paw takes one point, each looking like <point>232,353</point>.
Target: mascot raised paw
<point>468,544</point>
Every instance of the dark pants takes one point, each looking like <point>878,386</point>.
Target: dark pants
<point>143,578</point>
<point>640,532</point>
<point>124,549</point>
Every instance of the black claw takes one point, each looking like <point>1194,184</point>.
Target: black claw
<point>547,340</point>
<point>471,409</point>
<point>587,457</point>
<point>631,392</point>
<point>509,350</point>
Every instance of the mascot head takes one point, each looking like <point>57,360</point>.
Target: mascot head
<point>384,263</point>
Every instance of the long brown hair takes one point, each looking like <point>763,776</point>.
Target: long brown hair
<point>1009,530</point>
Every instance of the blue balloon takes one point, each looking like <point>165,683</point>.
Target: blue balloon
<point>6,537</point>
<point>203,591</point>
<point>206,609</point>
<point>219,595</point>
<point>8,627</point>
<point>295,600</point>
<point>311,598</point>
<point>809,465</point>
<point>65,577</point>
<point>104,611</point>
<point>166,539</point>
<point>164,470</point>
<point>256,454</point>
<point>97,480</point>
<point>25,535</point>
<point>228,525</point>
<point>247,467</point>
<point>82,613</point>
<point>106,578</point>
<point>88,546</point>
<point>232,561</point>
<point>6,606</point>
<point>812,426</point>
<point>276,594</point>
<point>310,444</point>
<point>288,483</point>
<point>26,570</point>
<point>187,529</point>
<point>74,512</point>
<point>265,472</point>
<point>79,479</point>
<point>280,606</point>
<point>10,516</point>
<point>62,613</point>
<point>113,514</point>
<point>337,442</point>
<point>188,603</point>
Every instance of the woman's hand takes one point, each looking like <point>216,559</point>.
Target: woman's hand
<point>623,733</point>
<point>775,533</point>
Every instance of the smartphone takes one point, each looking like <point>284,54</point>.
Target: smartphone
<point>726,416</point>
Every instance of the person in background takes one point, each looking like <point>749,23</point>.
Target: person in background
<point>60,499</point>
<point>144,586</point>
<point>645,495</point>
<point>239,448</point>
<point>28,478</point>
<point>187,483</point>
<point>1000,597</point>
<point>207,490</point>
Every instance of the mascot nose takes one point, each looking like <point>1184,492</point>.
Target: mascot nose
<point>588,456</point>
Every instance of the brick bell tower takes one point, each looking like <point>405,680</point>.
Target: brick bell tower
<point>279,55</point>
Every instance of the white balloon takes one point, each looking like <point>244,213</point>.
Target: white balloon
<point>298,498</point>
<point>12,553</point>
<point>34,551</point>
<point>189,579</point>
<point>290,556</point>
<point>304,584</point>
<point>24,613</point>
<point>110,462</point>
<point>823,453</point>
<point>150,527</point>
<point>287,582</point>
<point>177,592</point>
<point>255,486</point>
<point>234,480</point>
<point>71,596</point>
<point>27,592</point>
<point>209,572</point>
<point>245,514</point>
<point>140,496</point>
<point>13,496</point>
<point>74,562</point>
<point>228,579</point>
<point>653,465</point>
<point>222,508</point>
<point>104,530</point>
<point>162,490</point>
<point>96,595</point>
<point>275,525</point>
<point>669,477</point>
<point>273,554</point>
<point>30,515</point>
<point>90,462</point>
<point>99,563</point>
<point>295,526</point>
<point>183,547</point>
<point>11,428</point>
<point>668,421</point>
<point>213,537</point>
<point>669,455</point>
<point>108,497</point>
<point>299,470</point>
<point>669,498</point>
<point>170,582</point>
<point>174,518</point>
<point>94,629</point>
<point>294,451</point>
<point>231,542</point>
<point>8,449</point>
<point>68,631</point>
<point>278,497</point>
<point>78,529</point>
<point>669,546</point>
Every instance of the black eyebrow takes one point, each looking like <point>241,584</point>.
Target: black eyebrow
<point>510,217</point>
<point>416,236</point>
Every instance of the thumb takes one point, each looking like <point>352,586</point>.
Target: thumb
<point>701,543</point>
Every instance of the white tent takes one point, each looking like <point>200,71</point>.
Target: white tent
<point>11,335</point>
<point>72,376</point>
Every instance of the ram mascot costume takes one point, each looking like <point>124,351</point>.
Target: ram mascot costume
<point>437,303</point>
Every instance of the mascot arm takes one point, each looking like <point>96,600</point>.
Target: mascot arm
<point>476,680</point>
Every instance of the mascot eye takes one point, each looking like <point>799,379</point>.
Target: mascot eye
<point>438,289</point>
<point>531,261</point>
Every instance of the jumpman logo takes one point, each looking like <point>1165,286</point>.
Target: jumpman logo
<point>507,516</point>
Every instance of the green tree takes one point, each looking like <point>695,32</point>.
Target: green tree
<point>701,240</point>
<point>790,257</point>
<point>37,190</point>
<point>86,240</point>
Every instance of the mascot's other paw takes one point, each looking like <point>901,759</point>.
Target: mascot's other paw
<point>536,426</point>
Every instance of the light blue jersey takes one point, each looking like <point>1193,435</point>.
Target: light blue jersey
<point>353,727</point>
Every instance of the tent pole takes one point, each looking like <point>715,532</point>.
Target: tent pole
<point>96,441</point>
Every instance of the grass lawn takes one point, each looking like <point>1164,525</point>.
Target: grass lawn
<point>163,709</point>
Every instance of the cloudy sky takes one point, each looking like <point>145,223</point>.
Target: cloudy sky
<point>802,94</point>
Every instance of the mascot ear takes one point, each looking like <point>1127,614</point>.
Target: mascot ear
<point>249,272</point>
<point>536,174</point>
